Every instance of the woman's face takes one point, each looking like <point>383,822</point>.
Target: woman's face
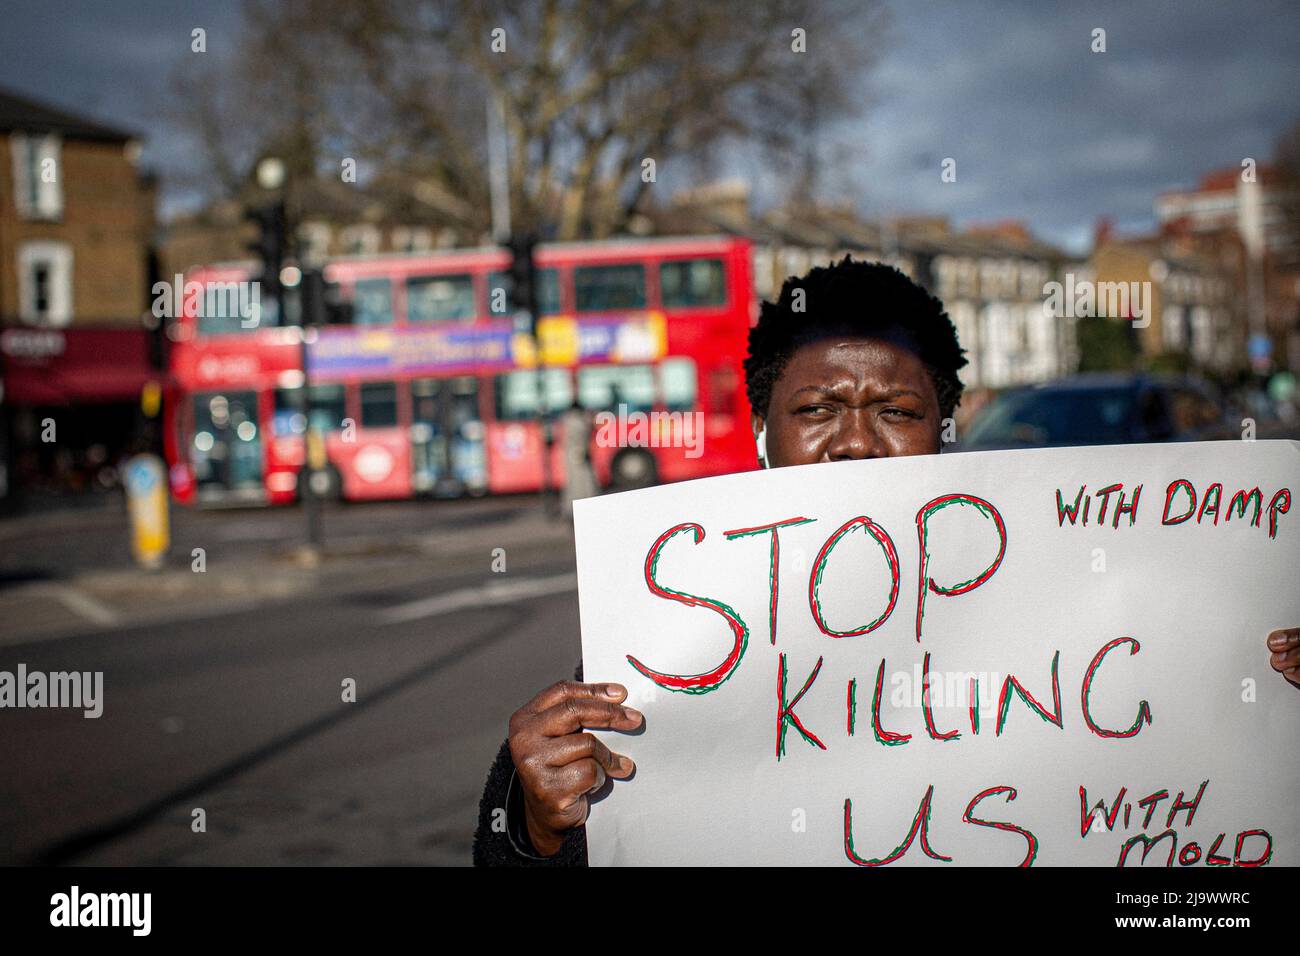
<point>844,398</point>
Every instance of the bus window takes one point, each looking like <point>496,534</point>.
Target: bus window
<point>677,376</point>
<point>288,418</point>
<point>223,308</point>
<point>516,393</point>
<point>548,293</point>
<point>226,451</point>
<point>372,302</point>
<point>327,407</point>
<point>692,282</point>
<point>599,288</point>
<point>378,404</point>
<point>439,298</point>
<point>602,387</point>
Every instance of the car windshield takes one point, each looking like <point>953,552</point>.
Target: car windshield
<point>1076,416</point>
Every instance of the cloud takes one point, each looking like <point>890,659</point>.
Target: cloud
<point>1045,129</point>
<point>1041,127</point>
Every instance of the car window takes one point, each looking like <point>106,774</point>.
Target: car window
<point>1154,423</point>
<point>1073,416</point>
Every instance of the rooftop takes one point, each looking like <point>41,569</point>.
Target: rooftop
<point>17,113</point>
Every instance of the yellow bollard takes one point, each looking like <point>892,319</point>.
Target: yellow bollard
<point>146,498</point>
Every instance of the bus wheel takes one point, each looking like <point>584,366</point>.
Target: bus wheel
<point>632,468</point>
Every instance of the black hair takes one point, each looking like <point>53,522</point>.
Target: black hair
<point>858,298</point>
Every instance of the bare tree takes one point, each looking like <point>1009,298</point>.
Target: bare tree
<point>604,100</point>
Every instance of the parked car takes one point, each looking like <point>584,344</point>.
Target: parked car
<point>1101,409</point>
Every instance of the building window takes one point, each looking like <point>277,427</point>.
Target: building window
<point>38,176</point>
<point>45,283</point>
<point>314,241</point>
<point>360,240</point>
<point>406,239</point>
<point>794,261</point>
<point>764,264</point>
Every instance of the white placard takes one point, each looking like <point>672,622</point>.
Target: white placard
<point>1164,721</point>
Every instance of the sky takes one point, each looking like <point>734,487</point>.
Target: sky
<point>1042,128</point>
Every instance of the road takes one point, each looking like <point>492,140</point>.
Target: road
<point>239,711</point>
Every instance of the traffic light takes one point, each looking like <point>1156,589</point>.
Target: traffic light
<point>523,276</point>
<point>321,302</point>
<point>311,292</point>
<point>271,245</point>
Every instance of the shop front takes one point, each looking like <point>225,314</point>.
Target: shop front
<point>71,409</point>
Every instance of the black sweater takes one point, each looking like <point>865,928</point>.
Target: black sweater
<point>502,837</point>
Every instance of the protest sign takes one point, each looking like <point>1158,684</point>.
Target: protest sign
<point>1049,656</point>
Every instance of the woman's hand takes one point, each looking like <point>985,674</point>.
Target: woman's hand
<point>1285,645</point>
<point>558,762</point>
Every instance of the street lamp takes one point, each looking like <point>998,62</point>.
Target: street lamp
<point>271,173</point>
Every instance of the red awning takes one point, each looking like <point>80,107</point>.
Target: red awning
<point>74,366</point>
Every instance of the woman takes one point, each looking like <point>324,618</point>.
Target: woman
<point>852,361</point>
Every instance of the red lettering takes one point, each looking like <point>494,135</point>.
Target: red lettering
<point>710,680</point>
<point>774,562</point>
<point>927,583</point>
<point>1186,485</point>
<point>920,824</point>
<point>785,714</point>
<point>1280,504</point>
<point>819,568</point>
<point>1010,827</point>
<point>1144,709</point>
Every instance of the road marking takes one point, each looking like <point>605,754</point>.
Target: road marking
<point>80,603</point>
<point>495,592</point>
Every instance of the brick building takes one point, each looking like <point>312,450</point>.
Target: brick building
<point>1194,318</point>
<point>76,221</point>
<point>1238,216</point>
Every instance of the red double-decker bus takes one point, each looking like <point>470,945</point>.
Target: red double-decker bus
<point>431,388</point>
